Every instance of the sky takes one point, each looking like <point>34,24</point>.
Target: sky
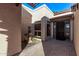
<point>55,7</point>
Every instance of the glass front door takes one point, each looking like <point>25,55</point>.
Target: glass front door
<point>61,30</point>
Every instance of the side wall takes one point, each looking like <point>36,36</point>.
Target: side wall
<point>26,21</point>
<point>10,15</point>
<point>76,31</point>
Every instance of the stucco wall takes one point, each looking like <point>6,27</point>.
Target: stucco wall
<point>10,14</point>
<point>76,31</point>
<point>26,21</point>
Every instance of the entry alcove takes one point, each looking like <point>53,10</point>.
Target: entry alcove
<point>62,30</point>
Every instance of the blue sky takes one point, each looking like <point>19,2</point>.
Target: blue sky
<point>55,7</point>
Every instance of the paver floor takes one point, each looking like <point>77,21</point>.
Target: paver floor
<point>51,47</point>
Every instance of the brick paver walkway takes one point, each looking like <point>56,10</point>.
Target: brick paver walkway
<point>50,48</point>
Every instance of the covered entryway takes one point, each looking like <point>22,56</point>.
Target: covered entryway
<point>63,30</point>
<point>62,26</point>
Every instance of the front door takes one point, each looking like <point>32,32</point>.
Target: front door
<point>60,30</point>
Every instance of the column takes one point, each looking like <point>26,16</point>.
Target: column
<point>44,28</point>
<point>71,29</point>
<point>32,29</point>
<point>51,29</point>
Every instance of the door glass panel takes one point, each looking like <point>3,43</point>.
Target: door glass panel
<point>54,30</point>
<point>67,29</point>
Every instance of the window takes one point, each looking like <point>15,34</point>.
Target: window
<point>39,33</point>
<point>67,29</point>
<point>37,28</point>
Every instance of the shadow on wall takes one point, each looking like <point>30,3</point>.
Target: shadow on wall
<point>26,38</point>
<point>3,41</point>
<point>25,41</point>
<point>10,20</point>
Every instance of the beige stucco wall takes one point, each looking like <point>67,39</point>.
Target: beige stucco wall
<point>26,20</point>
<point>10,15</point>
<point>76,31</point>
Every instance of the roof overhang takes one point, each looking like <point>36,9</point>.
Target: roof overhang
<point>63,16</point>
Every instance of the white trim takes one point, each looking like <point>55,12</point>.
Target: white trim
<point>64,14</point>
<point>32,11</point>
<point>43,6</point>
<point>27,8</point>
